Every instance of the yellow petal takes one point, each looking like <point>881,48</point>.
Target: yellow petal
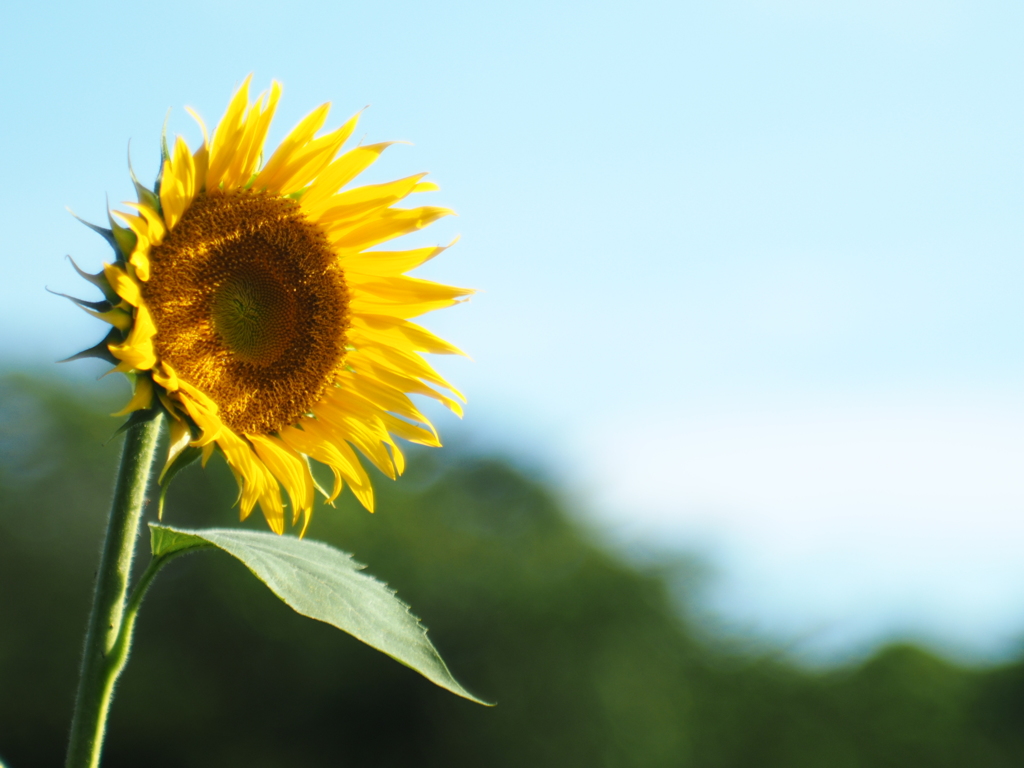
<point>404,290</point>
<point>148,230</point>
<point>136,352</point>
<point>139,259</point>
<point>201,157</point>
<point>272,509</point>
<point>365,425</point>
<point>179,438</point>
<point>253,137</point>
<point>117,317</point>
<point>388,263</point>
<point>385,397</point>
<point>289,469</point>
<point>165,375</point>
<point>200,407</point>
<point>410,432</point>
<point>148,224</point>
<point>200,161</point>
<point>398,309</point>
<point>401,379</point>
<point>124,285</point>
<point>177,183</point>
<point>341,172</point>
<point>254,479</point>
<point>209,423</point>
<point>369,440</point>
<point>307,163</point>
<point>301,134</point>
<point>401,333</point>
<point>356,203</point>
<point>341,457</point>
<point>325,453</point>
<point>226,136</point>
<point>406,364</point>
<point>394,222</point>
<point>173,407</point>
<point>141,399</point>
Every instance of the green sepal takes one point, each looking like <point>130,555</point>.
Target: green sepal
<point>95,306</point>
<point>135,418</point>
<point>186,457</point>
<point>101,351</point>
<point>325,584</point>
<point>100,279</point>
<point>165,154</point>
<point>124,237</point>
<point>106,234</point>
<point>316,483</point>
<point>145,194</point>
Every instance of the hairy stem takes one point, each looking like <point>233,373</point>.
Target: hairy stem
<point>108,634</point>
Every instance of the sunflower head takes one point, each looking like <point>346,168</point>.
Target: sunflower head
<point>250,303</point>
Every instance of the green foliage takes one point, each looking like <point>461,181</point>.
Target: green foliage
<point>591,660</point>
<point>322,583</point>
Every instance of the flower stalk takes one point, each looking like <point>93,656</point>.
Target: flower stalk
<point>108,634</point>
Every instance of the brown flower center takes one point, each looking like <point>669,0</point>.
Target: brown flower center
<point>250,307</point>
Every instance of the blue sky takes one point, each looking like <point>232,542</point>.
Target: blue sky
<point>750,270</point>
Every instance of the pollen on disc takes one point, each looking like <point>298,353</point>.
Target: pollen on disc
<point>250,307</point>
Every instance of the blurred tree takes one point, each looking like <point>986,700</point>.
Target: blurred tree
<point>588,658</point>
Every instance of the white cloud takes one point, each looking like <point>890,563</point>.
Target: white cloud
<point>864,519</point>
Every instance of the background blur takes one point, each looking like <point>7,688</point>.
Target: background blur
<point>750,277</point>
<point>592,661</point>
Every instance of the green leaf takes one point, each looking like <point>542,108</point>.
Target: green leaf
<point>323,583</point>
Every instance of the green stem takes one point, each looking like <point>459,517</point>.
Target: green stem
<point>108,635</point>
<point>118,656</point>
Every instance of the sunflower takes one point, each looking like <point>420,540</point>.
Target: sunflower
<point>248,303</point>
